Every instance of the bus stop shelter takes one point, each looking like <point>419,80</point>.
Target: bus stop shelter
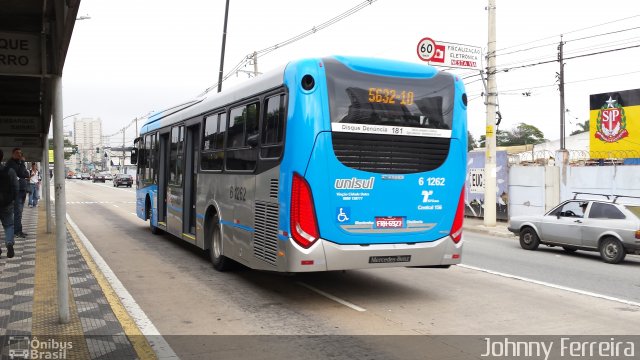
<point>34,39</point>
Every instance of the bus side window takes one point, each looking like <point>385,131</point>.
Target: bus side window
<point>175,155</point>
<point>147,160</point>
<point>243,123</point>
<point>273,127</point>
<point>141,163</point>
<point>213,140</point>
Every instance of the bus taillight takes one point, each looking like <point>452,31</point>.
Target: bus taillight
<point>304,226</point>
<point>456,228</point>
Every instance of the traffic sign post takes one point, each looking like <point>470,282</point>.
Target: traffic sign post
<point>449,54</point>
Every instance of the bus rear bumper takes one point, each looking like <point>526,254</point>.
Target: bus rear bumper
<point>325,255</point>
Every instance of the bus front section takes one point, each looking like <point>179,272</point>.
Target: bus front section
<point>379,180</point>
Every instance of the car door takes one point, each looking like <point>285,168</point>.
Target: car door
<point>564,224</point>
<point>600,218</point>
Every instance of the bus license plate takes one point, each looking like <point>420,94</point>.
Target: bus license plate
<point>389,222</point>
<point>389,259</point>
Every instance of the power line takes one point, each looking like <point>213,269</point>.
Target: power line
<point>293,39</point>
<point>603,34</point>
<point>570,32</point>
<point>511,91</point>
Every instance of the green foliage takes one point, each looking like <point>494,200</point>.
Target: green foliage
<point>471,142</point>
<point>583,127</point>
<point>67,145</point>
<point>522,134</point>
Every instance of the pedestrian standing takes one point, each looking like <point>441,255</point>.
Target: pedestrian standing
<point>17,164</point>
<point>34,185</point>
<point>8,194</point>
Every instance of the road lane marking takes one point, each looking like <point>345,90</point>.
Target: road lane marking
<point>114,205</point>
<point>334,298</point>
<point>554,286</point>
<point>146,328</point>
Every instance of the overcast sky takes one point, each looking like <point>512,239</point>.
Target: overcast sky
<point>137,56</point>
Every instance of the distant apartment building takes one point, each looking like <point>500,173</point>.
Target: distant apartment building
<point>88,136</point>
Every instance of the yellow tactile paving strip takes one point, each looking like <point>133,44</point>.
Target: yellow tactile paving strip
<point>140,344</point>
<point>45,321</point>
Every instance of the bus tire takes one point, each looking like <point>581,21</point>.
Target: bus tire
<point>529,240</point>
<point>219,261</point>
<point>154,229</point>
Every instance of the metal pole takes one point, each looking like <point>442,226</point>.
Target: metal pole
<point>490,144</point>
<point>561,79</point>
<point>61,201</point>
<point>45,184</point>
<point>224,42</point>
<point>255,64</point>
<point>123,154</point>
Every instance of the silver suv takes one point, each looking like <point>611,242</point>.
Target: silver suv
<point>606,226</point>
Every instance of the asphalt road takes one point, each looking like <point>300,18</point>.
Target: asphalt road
<point>175,285</point>
<point>582,270</point>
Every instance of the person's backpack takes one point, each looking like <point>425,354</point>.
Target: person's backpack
<point>6,195</point>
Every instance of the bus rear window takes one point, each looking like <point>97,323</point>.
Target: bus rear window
<point>359,98</point>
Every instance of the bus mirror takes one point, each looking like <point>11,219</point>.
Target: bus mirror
<point>252,140</point>
<point>134,156</point>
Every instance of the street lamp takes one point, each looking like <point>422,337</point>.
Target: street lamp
<point>68,116</point>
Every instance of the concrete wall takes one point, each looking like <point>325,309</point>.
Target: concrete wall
<point>537,189</point>
<point>618,180</point>
<point>533,189</point>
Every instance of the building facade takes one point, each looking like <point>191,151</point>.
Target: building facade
<point>88,136</point>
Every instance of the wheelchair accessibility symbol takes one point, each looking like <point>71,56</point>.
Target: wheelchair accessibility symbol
<point>343,214</point>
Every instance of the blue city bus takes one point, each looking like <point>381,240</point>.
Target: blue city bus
<point>323,164</point>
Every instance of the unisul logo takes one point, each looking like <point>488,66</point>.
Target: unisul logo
<point>26,348</point>
<point>354,183</point>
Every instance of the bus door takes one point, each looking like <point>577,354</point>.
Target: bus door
<point>175,197</point>
<point>190,179</point>
<point>163,166</point>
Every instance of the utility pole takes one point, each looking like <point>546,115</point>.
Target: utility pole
<point>490,143</point>
<point>255,64</point>
<point>561,87</point>
<point>224,41</point>
<point>123,153</point>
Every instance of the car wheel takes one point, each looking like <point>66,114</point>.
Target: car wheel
<point>219,261</point>
<point>612,251</point>
<point>569,249</point>
<point>529,240</point>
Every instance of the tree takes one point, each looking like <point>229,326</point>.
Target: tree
<point>584,127</point>
<point>471,142</point>
<point>67,145</point>
<point>522,134</point>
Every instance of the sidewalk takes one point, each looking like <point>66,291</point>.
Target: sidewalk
<point>477,225</point>
<point>29,310</point>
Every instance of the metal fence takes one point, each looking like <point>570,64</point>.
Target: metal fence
<point>576,158</point>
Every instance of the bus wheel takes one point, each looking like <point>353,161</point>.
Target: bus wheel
<point>220,262</point>
<point>154,229</point>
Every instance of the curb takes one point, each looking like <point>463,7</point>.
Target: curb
<point>489,231</point>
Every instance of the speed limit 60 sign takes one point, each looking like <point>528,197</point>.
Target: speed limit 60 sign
<point>449,54</point>
<point>429,51</point>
